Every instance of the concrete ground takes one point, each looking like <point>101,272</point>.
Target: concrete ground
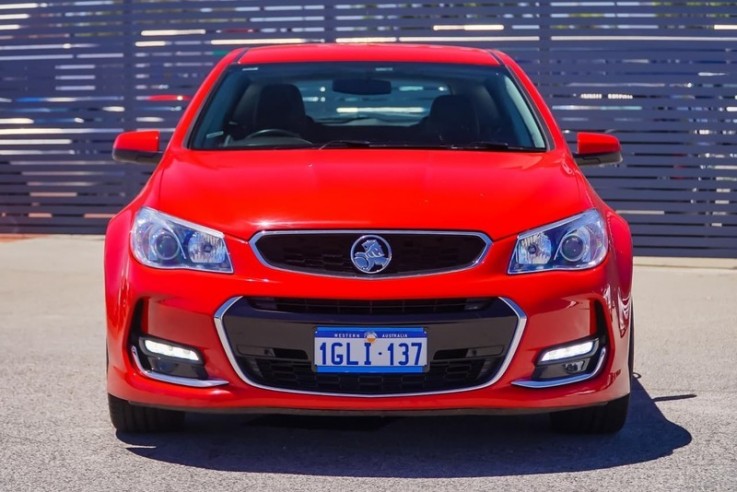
<point>55,433</point>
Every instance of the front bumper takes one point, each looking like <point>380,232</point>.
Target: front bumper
<point>553,308</point>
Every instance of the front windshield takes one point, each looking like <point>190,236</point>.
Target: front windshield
<point>367,104</point>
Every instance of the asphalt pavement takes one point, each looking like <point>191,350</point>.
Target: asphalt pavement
<point>55,434</point>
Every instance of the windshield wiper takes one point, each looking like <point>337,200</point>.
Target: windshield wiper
<point>484,145</point>
<point>345,144</point>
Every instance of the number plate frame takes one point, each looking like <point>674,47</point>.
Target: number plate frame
<point>352,352</point>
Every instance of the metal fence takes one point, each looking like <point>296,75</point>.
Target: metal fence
<point>659,75</point>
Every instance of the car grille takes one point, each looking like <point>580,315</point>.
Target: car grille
<point>272,342</point>
<point>391,307</point>
<point>329,253</point>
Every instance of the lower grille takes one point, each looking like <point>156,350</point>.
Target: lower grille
<point>298,375</point>
<point>272,342</point>
<point>344,306</point>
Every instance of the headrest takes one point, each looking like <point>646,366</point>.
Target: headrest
<point>453,117</point>
<point>280,106</point>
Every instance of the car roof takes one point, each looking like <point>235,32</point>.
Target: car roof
<point>389,52</point>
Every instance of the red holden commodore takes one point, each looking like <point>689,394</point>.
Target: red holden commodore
<point>368,230</point>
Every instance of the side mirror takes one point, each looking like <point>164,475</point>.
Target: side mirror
<point>597,148</point>
<point>138,147</point>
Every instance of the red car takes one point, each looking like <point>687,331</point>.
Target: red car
<point>368,230</point>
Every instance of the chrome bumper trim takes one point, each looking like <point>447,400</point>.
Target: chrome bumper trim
<point>193,383</point>
<point>553,383</point>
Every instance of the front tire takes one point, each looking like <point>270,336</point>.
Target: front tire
<point>134,419</point>
<point>606,419</point>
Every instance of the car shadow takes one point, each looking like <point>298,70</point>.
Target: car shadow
<point>415,447</point>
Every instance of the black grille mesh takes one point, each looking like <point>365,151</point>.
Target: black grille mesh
<point>389,307</point>
<point>298,374</point>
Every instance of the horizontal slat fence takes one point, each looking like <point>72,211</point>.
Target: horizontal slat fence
<point>659,75</point>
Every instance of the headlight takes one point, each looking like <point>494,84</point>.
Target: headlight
<point>572,244</point>
<point>162,241</point>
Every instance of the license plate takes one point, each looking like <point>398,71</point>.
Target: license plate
<point>370,349</point>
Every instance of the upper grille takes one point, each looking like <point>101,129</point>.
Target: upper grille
<point>329,252</point>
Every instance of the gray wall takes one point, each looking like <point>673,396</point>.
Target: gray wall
<point>659,75</point>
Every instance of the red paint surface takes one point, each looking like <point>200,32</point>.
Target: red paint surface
<point>141,141</point>
<point>243,192</point>
<point>597,143</point>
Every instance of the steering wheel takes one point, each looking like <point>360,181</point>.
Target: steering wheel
<point>273,132</point>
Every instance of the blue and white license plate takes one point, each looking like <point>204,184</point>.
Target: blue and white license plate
<point>370,349</point>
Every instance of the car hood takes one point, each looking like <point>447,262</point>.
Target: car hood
<point>243,192</point>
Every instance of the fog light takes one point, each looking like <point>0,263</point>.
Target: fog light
<point>575,350</point>
<point>575,366</point>
<point>169,350</point>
